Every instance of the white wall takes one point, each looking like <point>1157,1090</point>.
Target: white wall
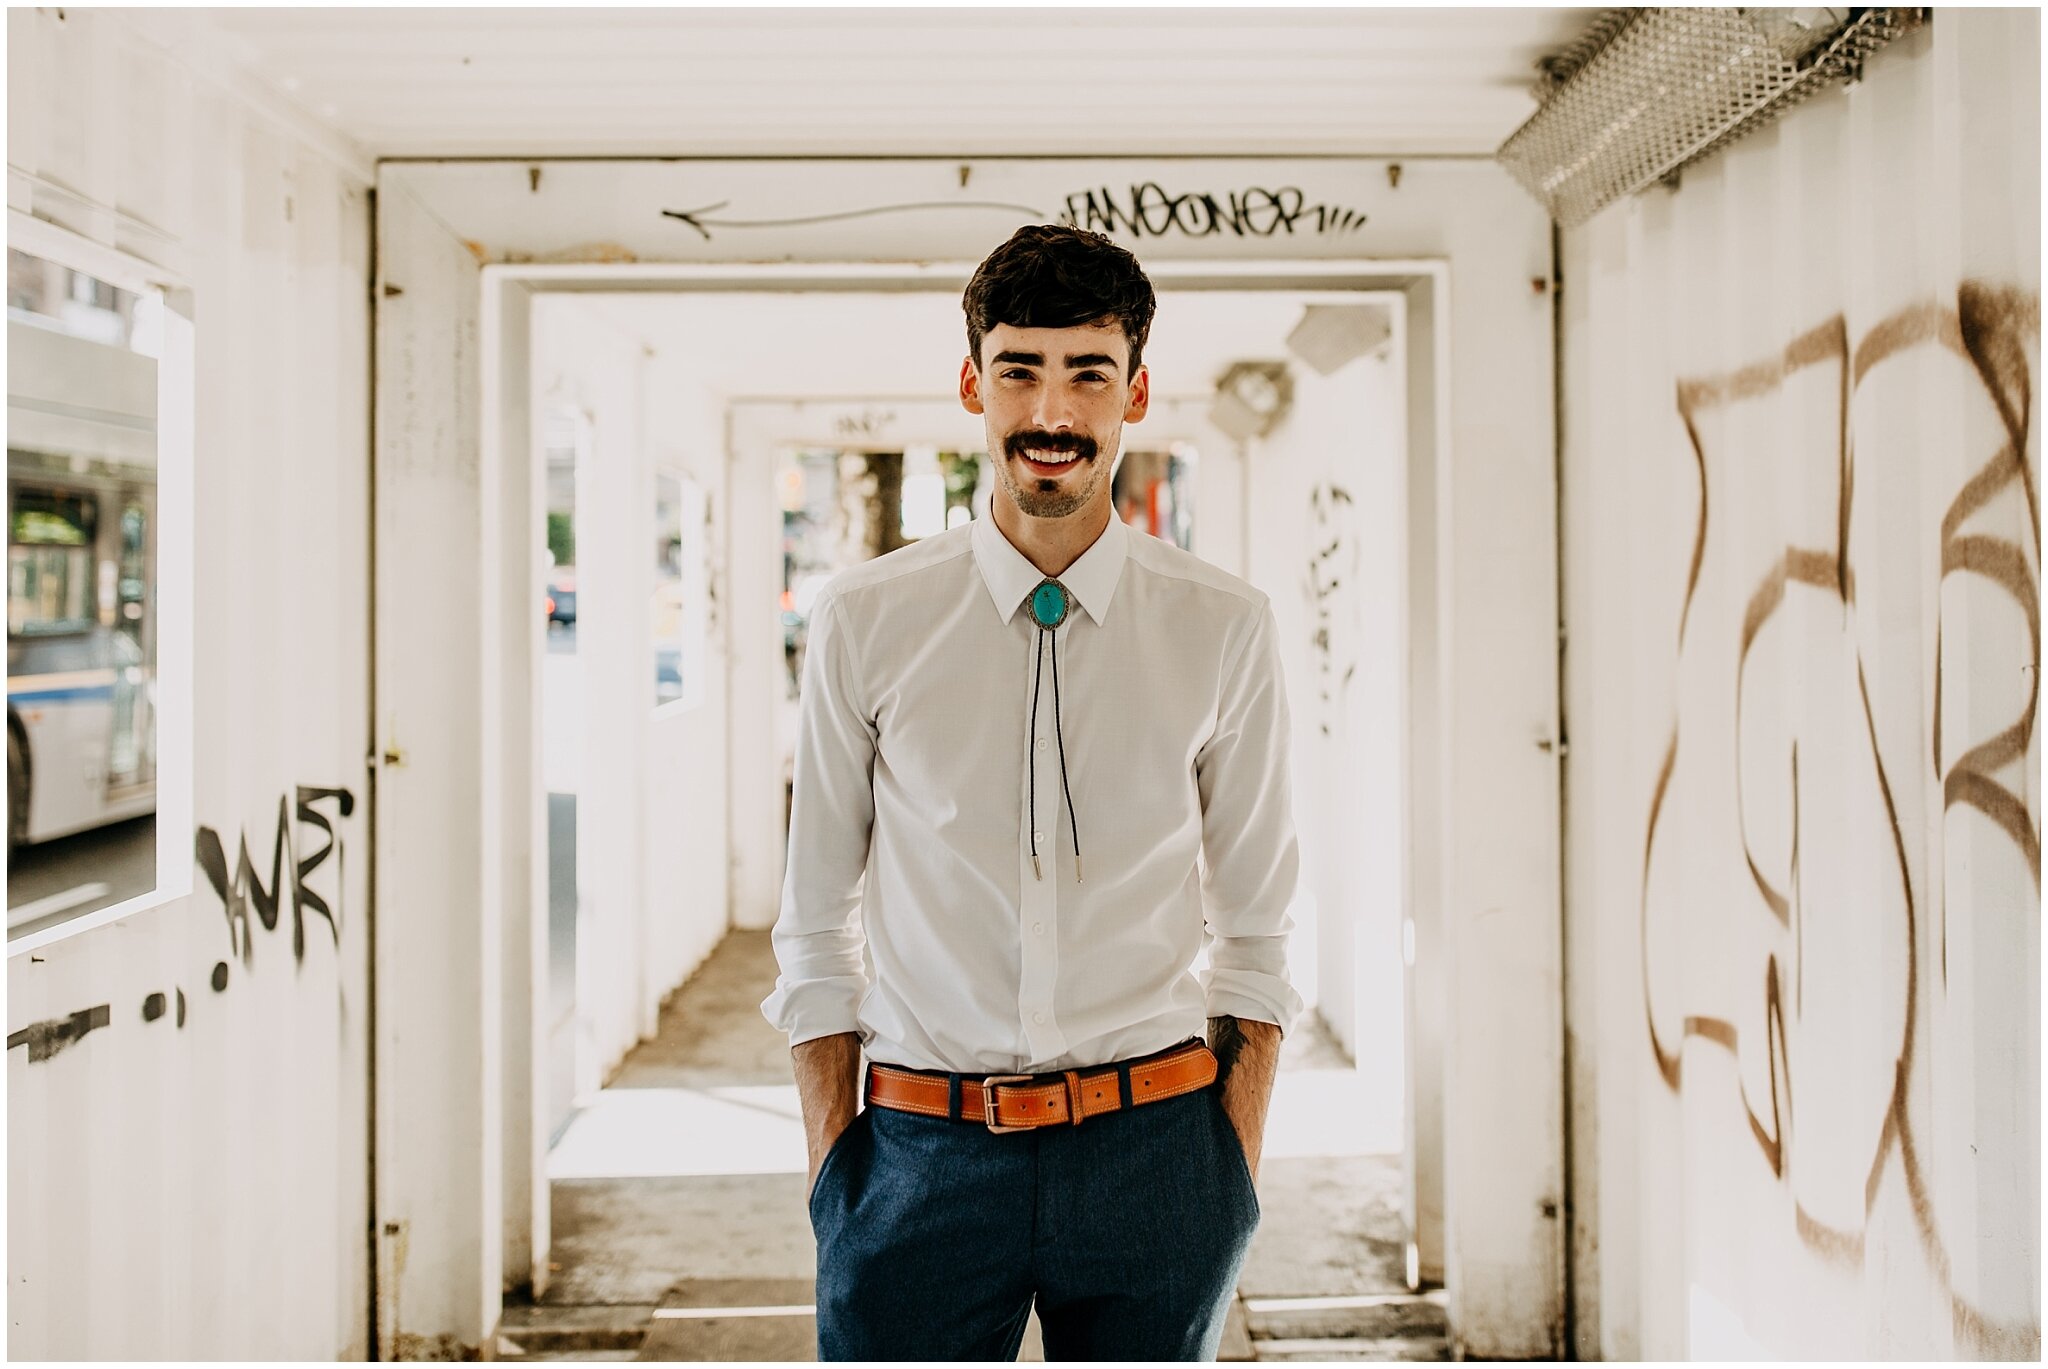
<point>758,675</point>
<point>1328,489</point>
<point>438,958</point>
<point>651,808</point>
<point>599,370</point>
<point>517,844</point>
<point>1803,586</point>
<point>687,790</point>
<point>198,1189</point>
<point>1426,977</point>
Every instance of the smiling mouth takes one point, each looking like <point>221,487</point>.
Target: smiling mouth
<point>1050,463</point>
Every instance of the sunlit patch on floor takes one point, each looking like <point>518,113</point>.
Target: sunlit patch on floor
<point>672,1133</point>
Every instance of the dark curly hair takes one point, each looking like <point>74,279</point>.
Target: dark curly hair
<point>1051,276</point>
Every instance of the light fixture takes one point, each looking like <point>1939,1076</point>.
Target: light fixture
<point>1331,336</point>
<point>1251,397</point>
<point>1645,92</point>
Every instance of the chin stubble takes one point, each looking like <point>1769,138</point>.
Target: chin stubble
<point>1042,496</point>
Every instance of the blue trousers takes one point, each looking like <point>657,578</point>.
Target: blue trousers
<point>935,1238</point>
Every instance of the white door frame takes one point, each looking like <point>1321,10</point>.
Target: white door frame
<point>1483,535</point>
<point>514,837</point>
<point>492,940</point>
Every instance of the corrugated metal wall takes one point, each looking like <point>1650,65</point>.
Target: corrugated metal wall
<point>199,1188</point>
<point>1802,577</point>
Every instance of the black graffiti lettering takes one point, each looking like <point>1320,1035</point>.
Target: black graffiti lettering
<point>1149,210</point>
<point>237,895</point>
<point>1197,215</point>
<point>1103,213</point>
<point>1332,218</point>
<point>1152,209</point>
<point>866,423</point>
<point>1289,202</point>
<point>45,1039</point>
<point>302,894</point>
<point>247,889</point>
<point>1258,212</point>
<point>1330,563</point>
<point>1091,213</point>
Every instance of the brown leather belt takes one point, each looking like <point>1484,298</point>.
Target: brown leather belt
<point>1021,1102</point>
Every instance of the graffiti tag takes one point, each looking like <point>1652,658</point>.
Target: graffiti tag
<point>239,895</point>
<point>1148,210</point>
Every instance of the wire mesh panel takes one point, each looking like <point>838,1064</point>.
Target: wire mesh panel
<point>1647,91</point>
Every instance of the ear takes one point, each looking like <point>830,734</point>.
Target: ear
<point>970,386</point>
<point>1141,396</point>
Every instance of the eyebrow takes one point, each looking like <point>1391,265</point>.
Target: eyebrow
<point>1075,362</point>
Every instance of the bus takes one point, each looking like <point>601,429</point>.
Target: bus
<point>81,698</point>
<point>81,554</point>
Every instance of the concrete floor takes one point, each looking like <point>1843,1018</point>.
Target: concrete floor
<point>679,1193</point>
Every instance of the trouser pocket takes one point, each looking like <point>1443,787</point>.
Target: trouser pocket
<point>1234,1157</point>
<point>834,1161</point>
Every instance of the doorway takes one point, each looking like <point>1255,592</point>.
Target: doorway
<point>1310,504</point>
<point>463,250</point>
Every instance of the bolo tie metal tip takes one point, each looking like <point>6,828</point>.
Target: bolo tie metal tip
<point>1077,867</point>
<point>1036,873</point>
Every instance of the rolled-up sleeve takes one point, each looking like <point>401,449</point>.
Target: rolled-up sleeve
<point>818,936</point>
<point>1249,848</point>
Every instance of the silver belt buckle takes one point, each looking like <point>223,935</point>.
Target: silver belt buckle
<point>988,1100</point>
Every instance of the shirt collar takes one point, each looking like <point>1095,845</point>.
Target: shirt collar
<point>1010,576</point>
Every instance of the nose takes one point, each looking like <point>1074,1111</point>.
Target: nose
<point>1054,411</point>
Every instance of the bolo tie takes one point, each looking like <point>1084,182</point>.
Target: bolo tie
<point>1050,604</point>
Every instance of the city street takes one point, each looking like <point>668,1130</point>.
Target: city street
<point>55,880</point>
<point>562,711</point>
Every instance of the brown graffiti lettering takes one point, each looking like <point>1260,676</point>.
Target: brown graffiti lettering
<point>1989,328</point>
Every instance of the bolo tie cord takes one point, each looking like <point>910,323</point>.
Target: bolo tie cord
<point>1038,673</point>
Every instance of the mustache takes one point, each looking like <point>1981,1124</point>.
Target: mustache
<point>1016,444</point>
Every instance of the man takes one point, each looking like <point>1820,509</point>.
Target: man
<point>1039,756</point>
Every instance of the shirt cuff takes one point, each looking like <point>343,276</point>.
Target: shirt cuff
<point>1252,996</point>
<point>812,1008</point>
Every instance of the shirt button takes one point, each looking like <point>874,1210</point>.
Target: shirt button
<point>1039,928</point>
<point>1039,1018</point>
<point>1038,836</point>
<point>1041,743</point>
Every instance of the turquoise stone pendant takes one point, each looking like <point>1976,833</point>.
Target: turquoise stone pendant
<point>1049,604</point>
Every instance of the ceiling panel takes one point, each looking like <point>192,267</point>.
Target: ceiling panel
<point>769,82</point>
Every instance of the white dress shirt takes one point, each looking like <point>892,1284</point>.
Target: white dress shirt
<point>914,760</point>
